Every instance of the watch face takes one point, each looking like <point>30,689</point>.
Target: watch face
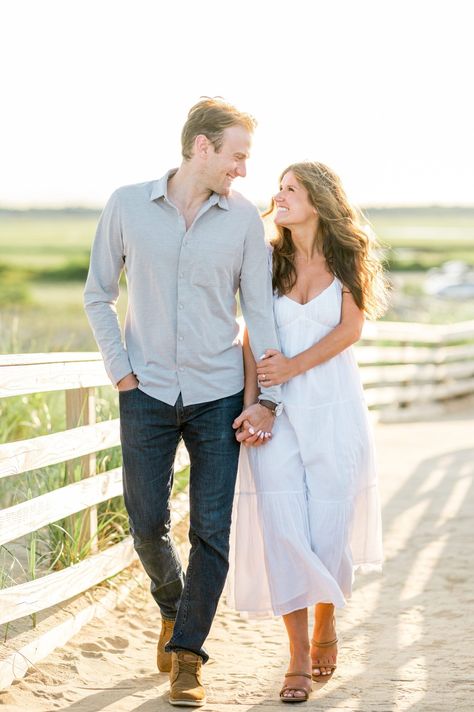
<point>279,409</point>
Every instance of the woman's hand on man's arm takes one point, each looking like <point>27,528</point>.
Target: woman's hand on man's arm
<point>274,368</point>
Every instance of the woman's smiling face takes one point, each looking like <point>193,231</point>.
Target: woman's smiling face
<point>293,203</point>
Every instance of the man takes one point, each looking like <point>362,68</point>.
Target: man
<point>187,245</point>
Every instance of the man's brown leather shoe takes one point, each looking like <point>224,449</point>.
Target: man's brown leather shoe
<point>185,679</point>
<point>163,659</point>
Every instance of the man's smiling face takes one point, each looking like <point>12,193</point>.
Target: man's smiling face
<point>230,161</point>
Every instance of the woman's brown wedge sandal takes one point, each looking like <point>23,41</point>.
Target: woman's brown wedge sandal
<point>285,688</point>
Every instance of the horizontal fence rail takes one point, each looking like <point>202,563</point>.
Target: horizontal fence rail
<point>412,370</point>
<point>45,450</point>
<point>47,591</point>
<point>407,370</point>
<point>40,373</point>
<point>35,513</point>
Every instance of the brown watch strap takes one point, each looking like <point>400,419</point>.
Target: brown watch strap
<point>268,404</point>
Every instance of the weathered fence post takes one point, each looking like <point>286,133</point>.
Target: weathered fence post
<point>80,410</point>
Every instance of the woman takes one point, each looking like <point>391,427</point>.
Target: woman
<point>307,513</point>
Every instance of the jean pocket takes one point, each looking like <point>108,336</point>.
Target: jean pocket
<point>128,390</point>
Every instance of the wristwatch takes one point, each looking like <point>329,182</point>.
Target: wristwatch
<point>275,408</point>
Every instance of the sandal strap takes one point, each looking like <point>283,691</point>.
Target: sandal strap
<point>297,674</point>
<point>324,645</point>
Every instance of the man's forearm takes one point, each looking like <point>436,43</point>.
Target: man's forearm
<point>102,291</point>
<point>106,329</point>
<point>251,389</point>
<point>261,336</point>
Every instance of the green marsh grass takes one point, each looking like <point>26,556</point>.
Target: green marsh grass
<point>44,256</point>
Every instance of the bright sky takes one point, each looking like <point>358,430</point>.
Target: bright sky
<point>95,93</point>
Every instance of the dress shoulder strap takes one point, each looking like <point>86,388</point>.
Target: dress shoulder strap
<point>343,289</point>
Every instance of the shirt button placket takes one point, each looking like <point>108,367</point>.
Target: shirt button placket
<point>182,265</point>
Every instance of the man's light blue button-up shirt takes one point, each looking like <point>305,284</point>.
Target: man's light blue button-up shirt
<point>180,329</point>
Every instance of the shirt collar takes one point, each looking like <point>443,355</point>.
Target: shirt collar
<point>160,190</point>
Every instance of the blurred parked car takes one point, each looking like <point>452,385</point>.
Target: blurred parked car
<point>453,280</point>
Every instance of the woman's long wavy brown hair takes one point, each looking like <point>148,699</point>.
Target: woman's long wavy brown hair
<point>350,251</point>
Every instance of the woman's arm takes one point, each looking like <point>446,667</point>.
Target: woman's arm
<point>276,368</point>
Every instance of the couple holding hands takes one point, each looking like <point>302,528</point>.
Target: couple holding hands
<point>277,430</point>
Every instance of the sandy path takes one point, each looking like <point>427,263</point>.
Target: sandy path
<point>407,639</point>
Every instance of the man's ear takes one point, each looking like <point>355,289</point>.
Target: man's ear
<point>201,145</point>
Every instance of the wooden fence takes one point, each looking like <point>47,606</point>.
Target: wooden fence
<point>78,374</point>
<point>408,370</point>
<point>411,371</point>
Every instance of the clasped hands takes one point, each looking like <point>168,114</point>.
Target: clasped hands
<point>254,425</point>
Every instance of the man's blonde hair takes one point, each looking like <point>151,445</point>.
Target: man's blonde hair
<point>211,117</point>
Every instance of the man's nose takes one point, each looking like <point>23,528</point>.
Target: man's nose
<point>242,170</point>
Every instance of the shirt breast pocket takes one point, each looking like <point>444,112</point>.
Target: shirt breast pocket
<point>213,268</point>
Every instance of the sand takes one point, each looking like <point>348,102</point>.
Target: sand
<point>407,638</point>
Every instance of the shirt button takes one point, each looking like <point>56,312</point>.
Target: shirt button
<point>181,306</point>
<point>181,274</point>
<point>181,369</point>
<point>180,338</point>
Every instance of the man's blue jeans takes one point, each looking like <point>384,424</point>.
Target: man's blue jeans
<point>150,434</point>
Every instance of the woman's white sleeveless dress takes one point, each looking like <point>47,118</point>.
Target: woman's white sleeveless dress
<point>306,511</point>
